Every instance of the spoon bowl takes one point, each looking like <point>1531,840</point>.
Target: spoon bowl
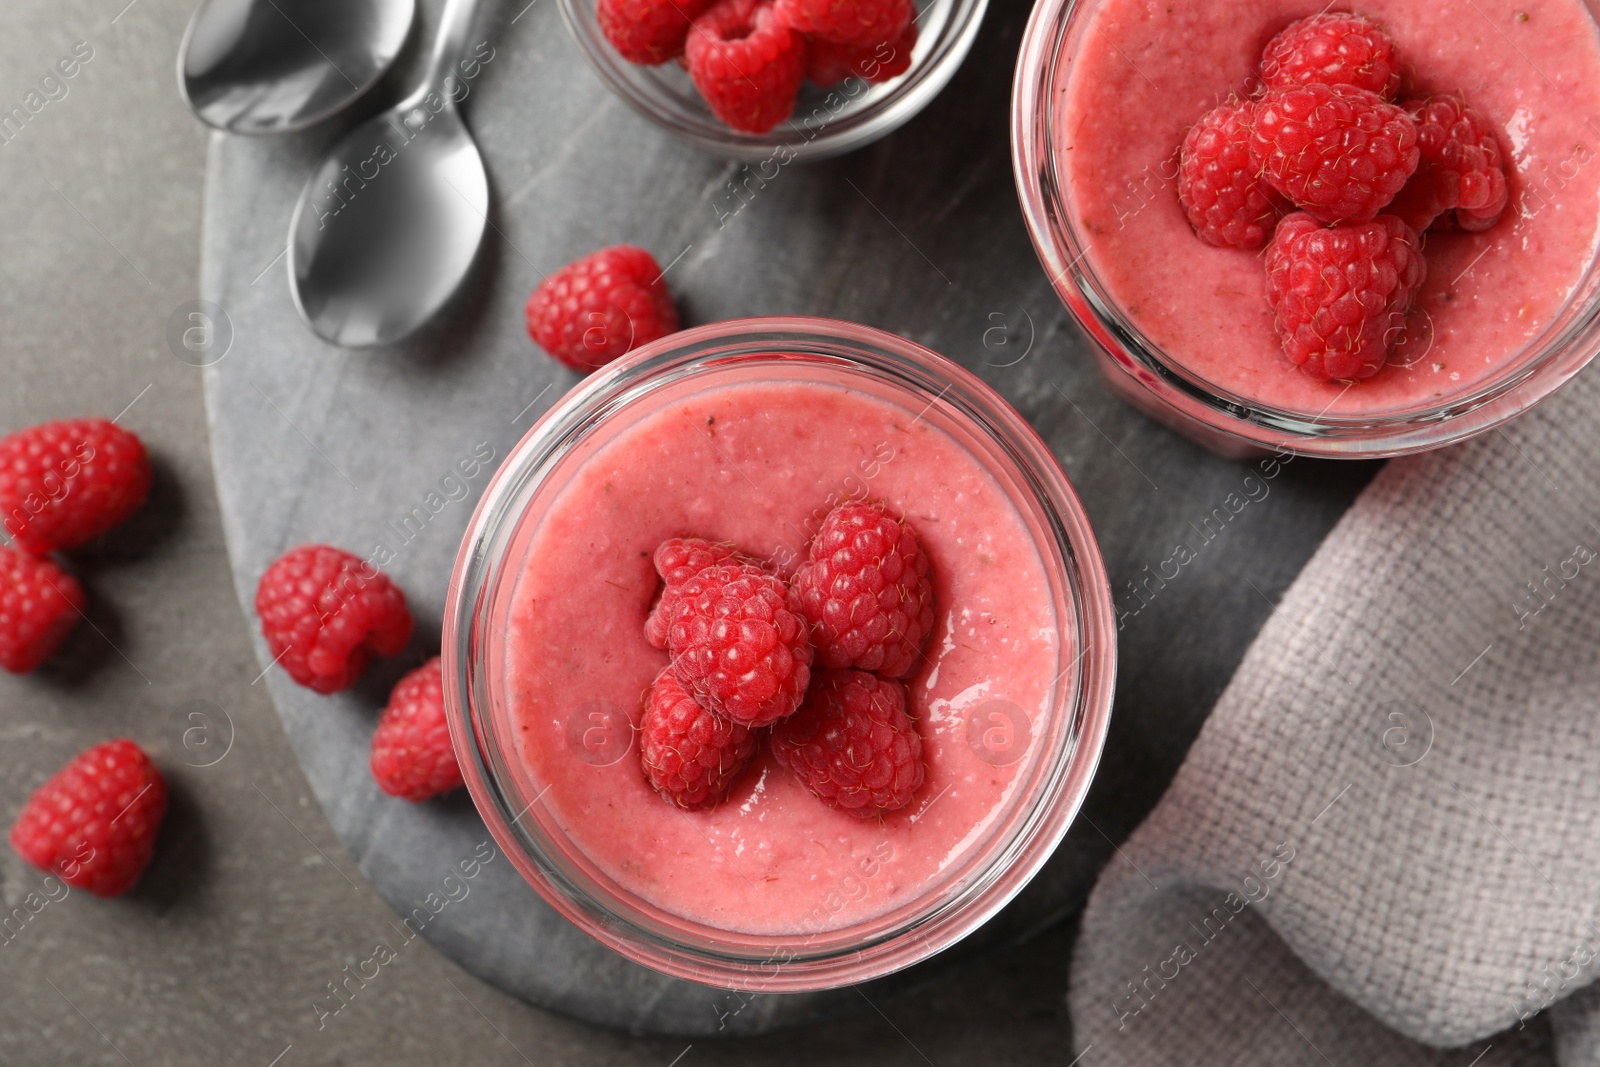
<point>275,66</point>
<point>388,224</point>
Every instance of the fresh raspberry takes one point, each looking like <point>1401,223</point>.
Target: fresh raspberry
<point>596,308</point>
<point>853,744</point>
<point>1341,293</point>
<point>748,62</point>
<point>94,824</point>
<point>739,645</point>
<point>865,591</point>
<point>39,605</point>
<point>1335,48</point>
<point>1227,203</point>
<point>690,756</point>
<point>1462,168</point>
<point>677,560</point>
<point>860,22</point>
<point>324,612</point>
<point>828,62</point>
<point>648,31</point>
<point>1337,153</point>
<point>411,753</point>
<point>64,483</point>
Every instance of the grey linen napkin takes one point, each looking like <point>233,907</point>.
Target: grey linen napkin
<point>1383,843</point>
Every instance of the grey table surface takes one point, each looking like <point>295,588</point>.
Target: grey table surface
<point>254,904</point>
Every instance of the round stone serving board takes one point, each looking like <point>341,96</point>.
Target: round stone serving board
<point>918,234</point>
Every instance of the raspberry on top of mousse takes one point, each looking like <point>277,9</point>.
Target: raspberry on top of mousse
<point>1333,48</point>
<point>690,755</point>
<point>678,559</point>
<point>1462,168</point>
<point>739,644</point>
<point>865,591</point>
<point>1219,186</point>
<point>853,745</point>
<point>1364,175</point>
<point>1337,153</point>
<point>1340,292</point>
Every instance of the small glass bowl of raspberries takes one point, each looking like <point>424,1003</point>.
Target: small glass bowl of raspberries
<point>771,81</point>
<point>779,654</point>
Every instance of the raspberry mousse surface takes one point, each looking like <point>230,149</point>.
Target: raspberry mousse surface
<point>759,463</point>
<point>1131,93</point>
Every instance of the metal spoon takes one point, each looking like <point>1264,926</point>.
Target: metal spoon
<point>273,66</point>
<point>388,224</point>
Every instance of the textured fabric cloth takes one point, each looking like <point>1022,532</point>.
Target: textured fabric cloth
<point>1383,843</point>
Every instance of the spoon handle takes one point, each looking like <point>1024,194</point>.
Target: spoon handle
<point>451,41</point>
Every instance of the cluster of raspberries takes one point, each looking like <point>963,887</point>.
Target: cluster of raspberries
<point>63,485</point>
<point>325,613</point>
<point>748,57</point>
<point>1342,179</point>
<point>812,665</point>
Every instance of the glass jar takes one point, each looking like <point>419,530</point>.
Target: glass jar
<point>1049,753</point>
<point>1157,380</point>
<point>826,122</point>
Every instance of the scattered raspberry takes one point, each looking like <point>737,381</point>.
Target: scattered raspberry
<point>596,308</point>
<point>39,605</point>
<point>1338,154</point>
<point>739,645</point>
<point>411,754</point>
<point>853,744</point>
<point>747,62</point>
<point>94,824</point>
<point>1227,203</point>
<point>1340,293</point>
<point>1336,48</point>
<point>829,62</point>
<point>64,483</point>
<point>324,612</point>
<point>677,560</point>
<point>859,22</point>
<point>647,31</point>
<point>690,756</point>
<point>865,591</point>
<point>1462,168</point>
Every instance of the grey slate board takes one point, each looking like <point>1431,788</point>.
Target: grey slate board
<point>918,234</point>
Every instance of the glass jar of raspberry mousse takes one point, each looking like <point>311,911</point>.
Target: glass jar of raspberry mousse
<point>1102,99</point>
<point>750,431</point>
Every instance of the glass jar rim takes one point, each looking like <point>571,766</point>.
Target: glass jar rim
<point>1059,776</point>
<point>1543,366</point>
<point>900,101</point>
